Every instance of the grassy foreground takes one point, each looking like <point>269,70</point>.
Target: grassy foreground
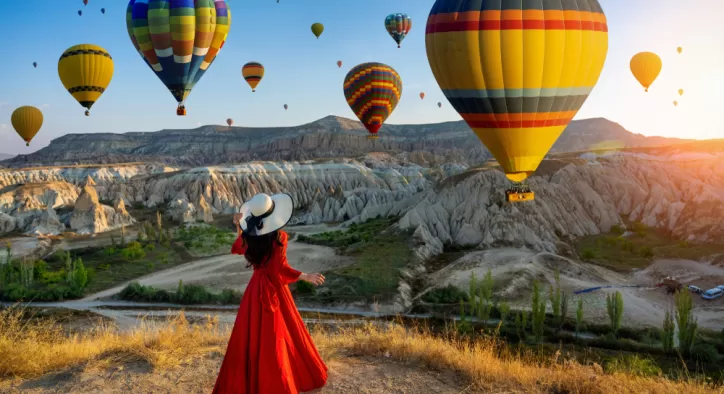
<point>29,350</point>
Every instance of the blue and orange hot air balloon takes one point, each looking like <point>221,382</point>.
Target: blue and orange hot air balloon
<point>398,26</point>
<point>178,39</point>
<point>372,91</point>
<point>517,71</point>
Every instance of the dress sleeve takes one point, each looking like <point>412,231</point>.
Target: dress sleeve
<point>239,246</point>
<point>286,272</point>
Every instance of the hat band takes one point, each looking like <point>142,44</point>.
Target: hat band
<point>256,223</point>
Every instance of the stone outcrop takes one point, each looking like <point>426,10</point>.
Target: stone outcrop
<point>90,216</point>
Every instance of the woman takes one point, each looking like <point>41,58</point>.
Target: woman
<point>270,350</point>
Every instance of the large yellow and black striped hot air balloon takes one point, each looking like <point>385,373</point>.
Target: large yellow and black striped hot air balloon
<point>27,121</point>
<point>517,71</point>
<point>85,70</point>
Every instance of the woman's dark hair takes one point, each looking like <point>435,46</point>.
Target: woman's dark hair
<point>259,248</point>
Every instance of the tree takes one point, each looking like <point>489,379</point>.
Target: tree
<point>564,308</point>
<point>685,321</point>
<point>614,307</point>
<point>485,303</point>
<point>554,295</point>
<point>123,235</point>
<point>159,226</point>
<point>473,292</point>
<point>667,337</point>
<point>27,271</point>
<point>80,274</point>
<point>504,310</point>
<point>68,267</point>
<point>579,317</point>
<point>521,324</point>
<point>538,311</point>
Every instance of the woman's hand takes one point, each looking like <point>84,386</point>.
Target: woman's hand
<point>315,279</point>
<point>237,219</point>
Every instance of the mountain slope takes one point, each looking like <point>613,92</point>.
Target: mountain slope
<point>331,136</point>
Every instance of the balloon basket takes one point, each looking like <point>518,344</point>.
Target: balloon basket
<point>519,193</point>
<point>373,137</point>
<point>181,111</point>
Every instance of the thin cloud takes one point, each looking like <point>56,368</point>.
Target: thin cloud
<point>3,126</point>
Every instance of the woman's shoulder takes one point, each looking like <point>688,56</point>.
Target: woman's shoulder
<point>282,237</point>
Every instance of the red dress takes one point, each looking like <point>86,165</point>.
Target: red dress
<point>270,350</point>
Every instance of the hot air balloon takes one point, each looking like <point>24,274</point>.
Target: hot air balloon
<point>339,63</point>
<point>35,64</point>
<point>317,29</point>
<point>676,103</point>
<point>27,121</point>
<point>372,91</point>
<point>398,25</point>
<point>681,92</point>
<point>679,49</point>
<point>646,66</point>
<point>286,107</point>
<point>103,10</point>
<point>516,85</point>
<point>252,72</point>
<point>229,121</point>
<point>178,39</point>
<point>85,70</point>
<point>422,96</point>
<point>439,104</point>
<point>80,13</point>
<point>85,2</point>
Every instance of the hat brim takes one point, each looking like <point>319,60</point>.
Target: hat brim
<point>283,210</point>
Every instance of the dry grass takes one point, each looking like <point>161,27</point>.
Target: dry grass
<point>30,350</point>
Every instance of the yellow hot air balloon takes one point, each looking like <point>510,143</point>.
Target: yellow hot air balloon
<point>676,103</point>
<point>27,121</point>
<point>646,66</point>
<point>681,92</point>
<point>85,70</point>
<point>679,49</point>
<point>517,76</point>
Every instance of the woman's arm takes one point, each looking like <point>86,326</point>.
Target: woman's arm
<point>239,246</point>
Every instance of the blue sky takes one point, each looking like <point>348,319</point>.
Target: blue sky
<point>301,70</point>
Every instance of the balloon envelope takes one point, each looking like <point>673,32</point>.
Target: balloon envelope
<point>230,121</point>
<point>317,29</point>
<point>80,13</point>
<point>645,67</point>
<point>681,92</point>
<point>422,95</point>
<point>35,64</point>
<point>676,103</point>
<point>103,10</point>
<point>27,121</point>
<point>339,63</point>
<point>178,39</point>
<point>439,105</point>
<point>85,2</point>
<point>286,106</point>
<point>517,81</point>
<point>86,71</point>
<point>679,49</point>
<point>372,91</point>
<point>252,72</point>
<point>398,26</point>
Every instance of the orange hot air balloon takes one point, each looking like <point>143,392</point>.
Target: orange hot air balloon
<point>339,63</point>
<point>422,96</point>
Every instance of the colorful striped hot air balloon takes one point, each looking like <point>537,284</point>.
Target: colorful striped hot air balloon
<point>27,121</point>
<point>178,39</point>
<point>518,72</point>
<point>252,72</point>
<point>86,71</point>
<point>372,91</point>
<point>398,26</point>
<point>645,67</point>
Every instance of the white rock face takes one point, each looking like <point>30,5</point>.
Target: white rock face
<point>685,199</point>
<point>90,216</point>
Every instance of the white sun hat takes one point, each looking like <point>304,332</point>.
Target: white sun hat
<point>264,214</point>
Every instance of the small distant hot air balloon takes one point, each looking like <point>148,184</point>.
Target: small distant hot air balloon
<point>286,107</point>
<point>80,13</point>
<point>439,104</point>
<point>179,40</point>
<point>229,121</point>
<point>676,103</point>
<point>422,96</point>
<point>27,121</point>
<point>398,25</point>
<point>339,63</point>
<point>681,92</point>
<point>646,67</point>
<point>486,63</point>
<point>252,72</point>
<point>85,2</point>
<point>103,10</point>
<point>35,64</point>
<point>372,91</point>
<point>317,29</point>
<point>679,49</point>
<point>85,70</point>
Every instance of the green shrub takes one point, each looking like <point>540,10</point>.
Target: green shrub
<point>305,288</point>
<point>616,229</point>
<point>646,251</point>
<point>445,295</point>
<point>110,251</point>
<point>588,254</point>
<point>150,247</point>
<point>704,353</point>
<point>134,251</point>
<point>633,365</point>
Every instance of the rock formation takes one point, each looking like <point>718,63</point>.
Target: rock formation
<point>90,216</point>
